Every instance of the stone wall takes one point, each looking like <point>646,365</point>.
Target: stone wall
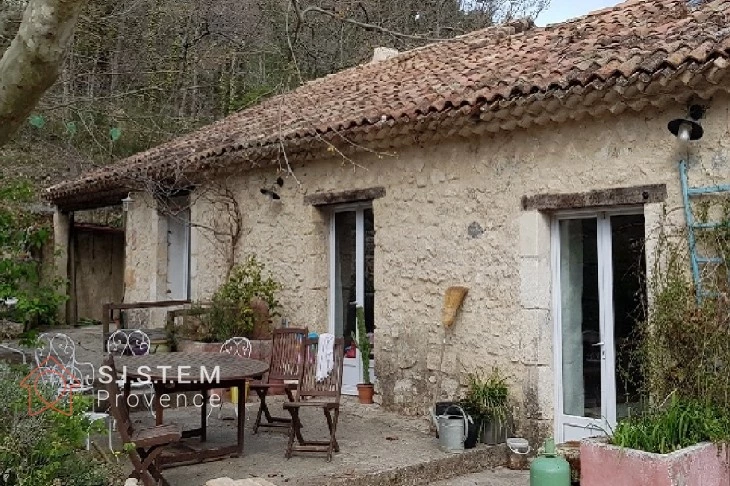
<point>451,215</point>
<point>145,269</point>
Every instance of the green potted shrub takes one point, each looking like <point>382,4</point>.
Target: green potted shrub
<point>365,390</point>
<point>487,401</point>
<point>242,307</point>
<point>682,429</point>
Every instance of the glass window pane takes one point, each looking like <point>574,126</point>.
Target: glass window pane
<point>629,307</point>
<point>580,318</point>
<point>369,276</point>
<point>345,277</point>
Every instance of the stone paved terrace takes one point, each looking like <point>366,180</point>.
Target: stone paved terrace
<point>377,447</point>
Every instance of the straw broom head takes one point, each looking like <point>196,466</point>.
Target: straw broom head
<point>453,298</point>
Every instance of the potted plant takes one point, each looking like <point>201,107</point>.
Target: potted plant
<point>242,307</point>
<point>365,390</point>
<point>682,442</point>
<point>681,433</point>
<point>487,401</point>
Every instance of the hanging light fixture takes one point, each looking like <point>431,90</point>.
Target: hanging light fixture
<point>270,194</point>
<point>688,129</point>
<point>127,203</point>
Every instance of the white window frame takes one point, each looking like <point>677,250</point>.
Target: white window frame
<point>359,209</point>
<point>606,317</point>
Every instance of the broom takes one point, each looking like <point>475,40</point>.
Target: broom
<point>453,300</point>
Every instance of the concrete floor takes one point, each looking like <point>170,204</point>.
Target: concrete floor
<point>371,440</point>
<point>496,477</point>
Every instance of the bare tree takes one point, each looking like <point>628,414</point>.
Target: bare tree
<point>154,69</point>
<point>34,59</point>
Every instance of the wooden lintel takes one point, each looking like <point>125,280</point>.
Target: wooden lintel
<point>622,196</point>
<point>342,197</point>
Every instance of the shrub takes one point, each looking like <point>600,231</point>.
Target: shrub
<point>46,449</point>
<point>684,353</point>
<point>22,238</point>
<point>487,398</point>
<point>247,297</point>
<point>680,424</point>
<point>363,343</point>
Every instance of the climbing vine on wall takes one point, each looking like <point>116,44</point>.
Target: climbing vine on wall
<point>25,295</point>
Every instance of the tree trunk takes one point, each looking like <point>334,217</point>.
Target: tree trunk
<point>34,59</point>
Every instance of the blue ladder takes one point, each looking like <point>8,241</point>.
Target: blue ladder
<point>697,260</point>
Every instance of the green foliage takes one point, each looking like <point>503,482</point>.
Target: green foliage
<point>682,423</point>
<point>232,313</point>
<point>38,121</point>
<point>363,344</point>
<point>22,237</point>
<point>684,345</point>
<point>115,133</point>
<point>487,399</point>
<point>684,350</point>
<point>46,449</point>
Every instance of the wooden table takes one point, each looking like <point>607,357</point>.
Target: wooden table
<point>198,372</point>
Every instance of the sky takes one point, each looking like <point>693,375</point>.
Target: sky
<point>560,10</point>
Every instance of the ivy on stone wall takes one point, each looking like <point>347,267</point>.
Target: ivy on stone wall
<point>25,295</point>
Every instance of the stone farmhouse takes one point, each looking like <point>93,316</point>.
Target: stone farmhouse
<point>532,165</point>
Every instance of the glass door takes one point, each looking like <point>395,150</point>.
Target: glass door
<point>599,280</point>
<point>352,235</point>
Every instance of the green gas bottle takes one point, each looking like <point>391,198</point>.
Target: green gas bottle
<point>549,469</point>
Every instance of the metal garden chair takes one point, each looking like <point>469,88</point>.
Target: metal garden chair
<point>235,346</point>
<point>132,342</point>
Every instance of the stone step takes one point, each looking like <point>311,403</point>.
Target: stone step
<point>479,459</point>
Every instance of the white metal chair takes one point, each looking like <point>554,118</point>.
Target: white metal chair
<point>235,346</point>
<point>62,349</point>
<point>128,342</point>
<point>60,380</point>
<point>14,350</point>
<point>55,344</point>
<point>132,342</point>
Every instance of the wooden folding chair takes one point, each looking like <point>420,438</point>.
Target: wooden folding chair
<point>287,357</point>
<point>148,442</point>
<point>323,394</point>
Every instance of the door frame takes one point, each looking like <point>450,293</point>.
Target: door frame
<point>606,317</point>
<point>183,217</point>
<point>359,209</point>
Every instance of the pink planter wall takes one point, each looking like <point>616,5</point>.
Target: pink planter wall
<point>606,465</point>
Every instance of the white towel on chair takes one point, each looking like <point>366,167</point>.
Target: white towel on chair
<point>325,356</point>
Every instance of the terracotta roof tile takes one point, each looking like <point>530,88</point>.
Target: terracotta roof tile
<point>615,52</point>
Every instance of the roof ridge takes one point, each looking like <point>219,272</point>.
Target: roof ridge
<point>637,50</point>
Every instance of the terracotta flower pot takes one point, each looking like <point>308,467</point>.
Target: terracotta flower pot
<point>365,393</point>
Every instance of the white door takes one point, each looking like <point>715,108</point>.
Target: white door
<point>599,273</point>
<point>352,248</point>
<point>178,255</point>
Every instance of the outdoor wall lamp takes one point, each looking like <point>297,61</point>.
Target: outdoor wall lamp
<point>270,194</point>
<point>273,195</point>
<point>127,202</point>
<point>686,129</point>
